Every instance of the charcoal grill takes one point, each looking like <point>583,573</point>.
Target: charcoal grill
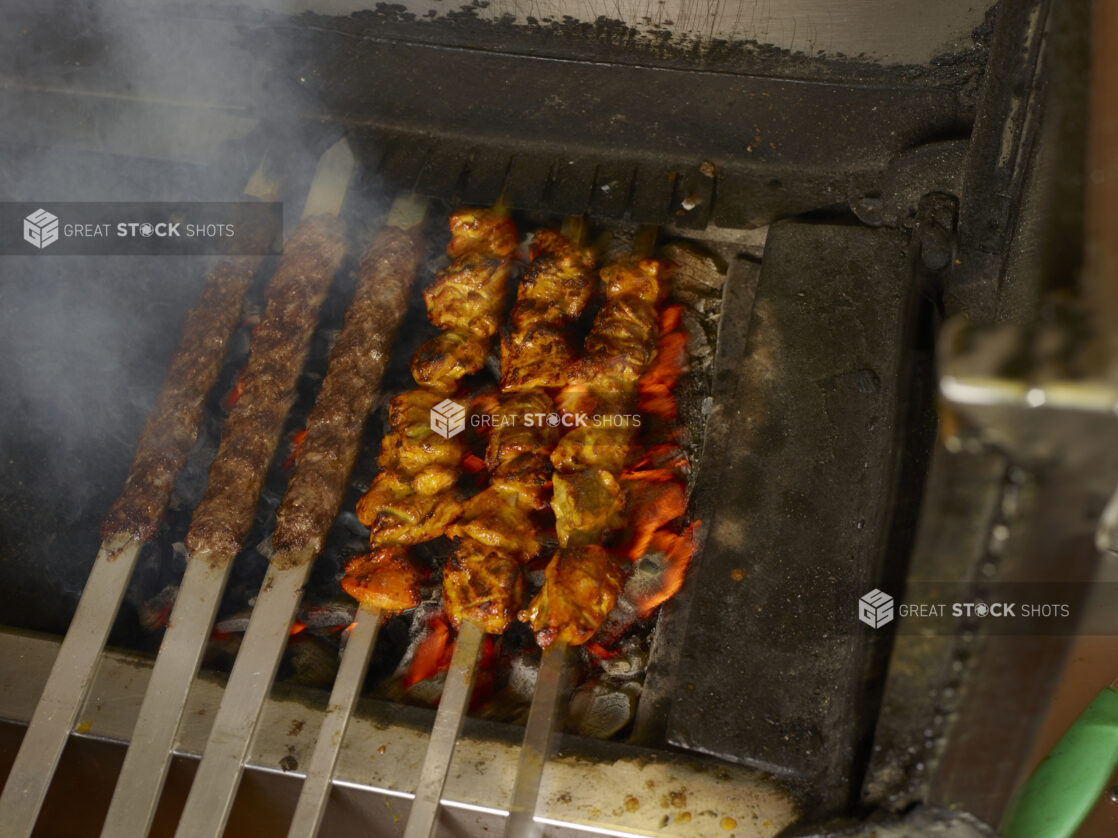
<point>860,182</point>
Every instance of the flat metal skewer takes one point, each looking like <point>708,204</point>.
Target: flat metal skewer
<point>215,786</point>
<point>147,761</point>
<point>547,700</point>
<point>218,776</point>
<point>343,698</point>
<point>149,753</point>
<point>80,653</point>
<point>539,733</point>
<point>66,688</point>
<point>423,817</point>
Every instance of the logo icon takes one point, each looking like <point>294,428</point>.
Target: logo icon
<point>875,609</point>
<point>40,228</point>
<point>448,418</point>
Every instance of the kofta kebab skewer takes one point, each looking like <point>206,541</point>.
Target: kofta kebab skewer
<point>224,516</point>
<point>165,441</point>
<point>322,466</point>
<point>482,581</point>
<point>414,495</point>
<point>583,580</point>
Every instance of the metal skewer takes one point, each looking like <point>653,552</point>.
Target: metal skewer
<point>66,688</point>
<point>80,652</point>
<point>444,735</point>
<point>343,698</point>
<point>539,733</point>
<point>215,786</point>
<point>149,754</point>
<point>547,704</point>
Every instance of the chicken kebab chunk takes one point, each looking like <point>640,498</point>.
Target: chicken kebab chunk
<point>583,580</point>
<point>414,497</point>
<point>498,532</point>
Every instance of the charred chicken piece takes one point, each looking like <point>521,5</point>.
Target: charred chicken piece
<point>482,230</point>
<point>446,358</point>
<point>397,514</point>
<point>468,295</point>
<point>587,504</point>
<point>500,517</point>
<point>558,284</point>
<point>521,428</point>
<point>581,586</point>
<point>384,579</point>
<point>535,359</point>
<point>482,584</point>
<point>411,446</point>
<point>621,343</point>
<point>605,439</point>
<point>642,279</point>
<point>553,293</point>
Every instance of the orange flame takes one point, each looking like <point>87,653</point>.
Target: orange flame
<point>655,498</point>
<point>297,440</point>
<point>677,550</point>
<point>432,655</point>
<point>297,627</point>
<point>655,386</point>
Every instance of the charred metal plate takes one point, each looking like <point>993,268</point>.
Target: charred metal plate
<point>797,495</point>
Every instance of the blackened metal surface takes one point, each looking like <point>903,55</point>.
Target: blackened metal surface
<point>922,690</point>
<point>777,147</point>
<point>770,666</point>
<point>784,147</point>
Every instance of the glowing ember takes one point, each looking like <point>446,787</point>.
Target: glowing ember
<point>297,440</point>
<point>235,394</point>
<point>297,628</point>
<point>432,654</point>
<point>472,463</point>
<point>676,551</point>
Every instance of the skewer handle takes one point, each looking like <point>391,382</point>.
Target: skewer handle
<point>343,698</point>
<point>215,784</point>
<point>543,720</point>
<point>145,765</point>
<point>423,818</point>
<point>66,688</point>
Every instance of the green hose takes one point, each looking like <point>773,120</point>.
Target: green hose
<point>1065,787</point>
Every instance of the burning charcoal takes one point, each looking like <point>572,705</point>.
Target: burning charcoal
<point>154,613</point>
<point>427,691</point>
<point>314,661</point>
<point>237,624</point>
<point>697,273</point>
<point>523,669</point>
<point>600,711</point>
<point>330,616</point>
<point>626,664</point>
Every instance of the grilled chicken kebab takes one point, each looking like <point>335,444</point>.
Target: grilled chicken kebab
<point>414,497</point>
<point>583,579</point>
<point>482,580</point>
